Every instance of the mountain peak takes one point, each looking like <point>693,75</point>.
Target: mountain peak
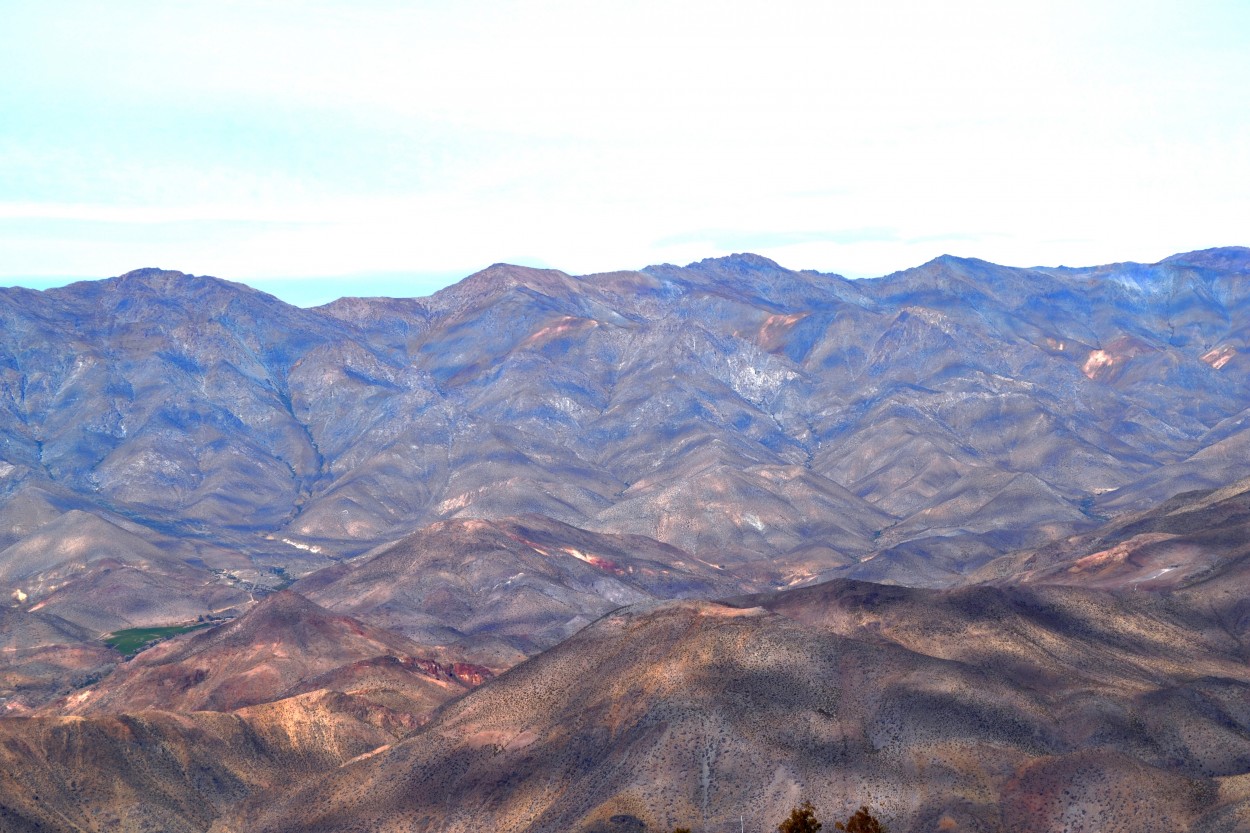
<point>512,273</point>
<point>739,261</point>
<point>284,606</point>
<point>149,272</point>
<point>496,278</point>
<point>155,281</point>
<point>170,281</point>
<point>948,258</point>
<point>1223,258</point>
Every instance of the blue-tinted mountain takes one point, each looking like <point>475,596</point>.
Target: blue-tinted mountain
<point>781,426</point>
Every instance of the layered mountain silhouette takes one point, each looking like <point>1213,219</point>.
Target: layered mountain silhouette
<point>966,543</point>
<point>786,425</point>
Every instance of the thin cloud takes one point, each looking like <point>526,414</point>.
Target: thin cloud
<point>281,139</point>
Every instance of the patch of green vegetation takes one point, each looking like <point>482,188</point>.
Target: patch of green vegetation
<point>284,581</point>
<point>133,640</point>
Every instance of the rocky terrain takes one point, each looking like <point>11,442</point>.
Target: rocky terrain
<point>1029,705</point>
<point>171,739</point>
<point>1196,543</point>
<point>284,646</point>
<point>978,536</point>
<point>42,655</point>
<point>509,588</point>
<point>161,771</point>
<point>975,709</point>
<point>787,425</point>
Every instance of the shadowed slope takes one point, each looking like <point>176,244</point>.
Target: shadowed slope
<point>164,771</point>
<point>679,712</point>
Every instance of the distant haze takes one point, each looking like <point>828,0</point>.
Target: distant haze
<point>390,148</point>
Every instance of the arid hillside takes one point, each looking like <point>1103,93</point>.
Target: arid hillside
<point>163,771</point>
<point>787,425</point>
<point>284,646</point>
<point>1196,544</point>
<point>982,709</point>
<point>188,728</point>
<point>512,587</point>
<point>616,553</point>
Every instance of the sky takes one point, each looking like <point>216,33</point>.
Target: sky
<point>320,149</point>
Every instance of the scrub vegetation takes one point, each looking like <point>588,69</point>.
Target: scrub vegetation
<point>133,640</point>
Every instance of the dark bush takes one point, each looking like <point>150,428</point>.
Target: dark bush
<point>802,820</point>
<point>861,822</point>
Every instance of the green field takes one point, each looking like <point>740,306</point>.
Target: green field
<point>133,640</point>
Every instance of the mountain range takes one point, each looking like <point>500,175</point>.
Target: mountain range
<point>616,553</point>
<point>783,425</point>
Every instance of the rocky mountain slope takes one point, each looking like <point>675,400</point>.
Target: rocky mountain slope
<point>1196,542</point>
<point>511,587</point>
<point>284,646</point>
<point>974,709</point>
<point>42,655</point>
<point>456,483</point>
<point>787,425</point>
<point>1034,705</point>
<point>165,771</point>
<point>187,729</point>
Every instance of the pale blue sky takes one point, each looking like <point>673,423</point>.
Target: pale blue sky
<point>317,149</point>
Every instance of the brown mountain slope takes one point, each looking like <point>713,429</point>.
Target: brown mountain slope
<point>42,656</point>
<point>1081,715</point>
<point>105,578</point>
<point>1198,542</point>
<point>175,773</point>
<point>283,646</point>
<point>510,587</point>
<point>1043,638</point>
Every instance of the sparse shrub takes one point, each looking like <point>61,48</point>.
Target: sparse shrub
<point>861,822</point>
<point>802,820</point>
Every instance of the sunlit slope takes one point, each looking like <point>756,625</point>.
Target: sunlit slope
<point>980,709</point>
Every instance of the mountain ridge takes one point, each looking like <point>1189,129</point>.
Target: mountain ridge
<point>784,425</point>
<point>937,508</point>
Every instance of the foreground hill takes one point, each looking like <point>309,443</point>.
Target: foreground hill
<point>787,425</point>
<point>176,736</point>
<point>980,709</point>
<point>165,771</point>
<point>284,646</point>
